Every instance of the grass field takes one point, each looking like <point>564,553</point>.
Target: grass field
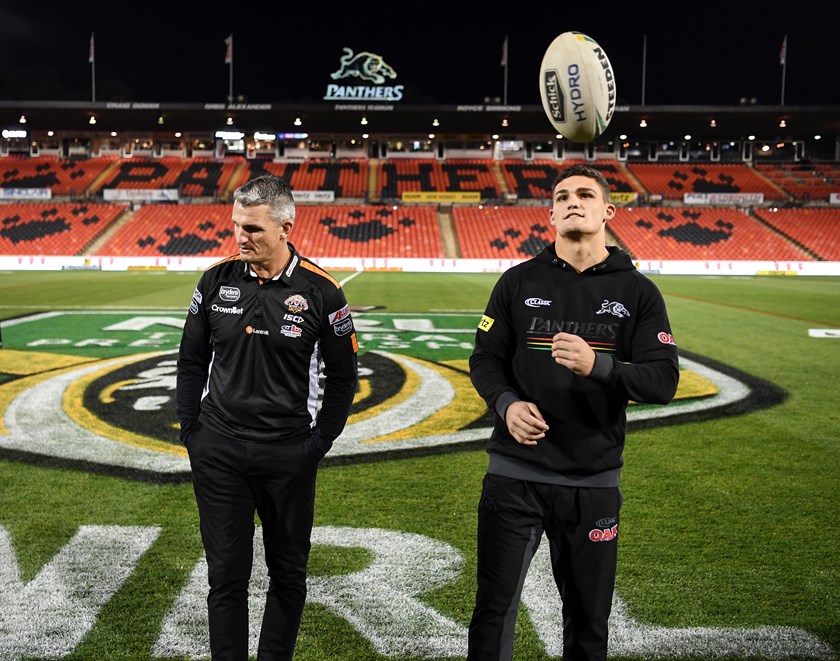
<point>728,546</point>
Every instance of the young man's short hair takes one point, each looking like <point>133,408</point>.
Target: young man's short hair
<point>583,171</point>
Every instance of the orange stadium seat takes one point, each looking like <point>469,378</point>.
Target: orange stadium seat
<point>345,177</point>
<point>49,228</point>
<point>533,179</point>
<point>163,229</point>
<point>403,175</point>
<point>491,232</point>
<point>192,177</point>
<point>65,176</point>
<point>506,232</point>
<point>319,231</point>
<point>815,229</point>
<point>804,181</point>
<point>674,180</point>
<point>367,231</point>
<point>686,233</point>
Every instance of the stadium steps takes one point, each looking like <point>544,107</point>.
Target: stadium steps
<point>448,236</point>
<point>103,238</point>
<point>635,181</point>
<point>373,180</point>
<point>763,176</point>
<point>233,181</point>
<point>785,236</point>
<point>105,175</point>
<point>613,240</point>
<point>499,176</point>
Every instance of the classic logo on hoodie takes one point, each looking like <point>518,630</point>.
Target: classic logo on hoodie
<point>536,302</point>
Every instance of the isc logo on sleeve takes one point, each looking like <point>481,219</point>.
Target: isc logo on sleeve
<point>485,323</point>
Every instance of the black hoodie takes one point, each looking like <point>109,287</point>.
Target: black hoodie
<point>621,315</point>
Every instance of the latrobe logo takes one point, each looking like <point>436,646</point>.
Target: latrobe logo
<point>256,331</point>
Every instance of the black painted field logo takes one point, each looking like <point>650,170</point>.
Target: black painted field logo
<point>97,391</point>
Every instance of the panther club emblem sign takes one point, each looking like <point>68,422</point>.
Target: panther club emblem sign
<point>371,71</point>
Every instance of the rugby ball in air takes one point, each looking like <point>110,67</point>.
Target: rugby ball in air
<point>577,86</point>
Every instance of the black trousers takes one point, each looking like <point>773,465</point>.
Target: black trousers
<point>232,479</point>
<point>581,525</point>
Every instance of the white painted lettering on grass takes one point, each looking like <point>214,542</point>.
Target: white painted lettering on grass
<point>629,638</point>
<point>380,601</point>
<point>47,617</point>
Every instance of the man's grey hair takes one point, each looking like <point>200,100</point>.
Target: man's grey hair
<point>271,191</point>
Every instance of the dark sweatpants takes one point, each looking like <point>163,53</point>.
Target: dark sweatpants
<point>232,478</point>
<point>581,525</point>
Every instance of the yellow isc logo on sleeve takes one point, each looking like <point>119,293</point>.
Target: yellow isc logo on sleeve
<point>485,323</point>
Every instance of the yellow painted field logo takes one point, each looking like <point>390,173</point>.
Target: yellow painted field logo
<point>100,390</point>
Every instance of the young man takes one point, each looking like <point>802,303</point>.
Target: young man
<point>258,328</point>
<point>567,339</point>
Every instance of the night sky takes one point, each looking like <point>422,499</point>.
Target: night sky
<point>694,53</point>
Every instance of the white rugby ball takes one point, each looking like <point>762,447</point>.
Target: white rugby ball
<point>577,86</point>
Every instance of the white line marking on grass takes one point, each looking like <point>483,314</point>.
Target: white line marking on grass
<point>349,278</point>
<point>824,332</point>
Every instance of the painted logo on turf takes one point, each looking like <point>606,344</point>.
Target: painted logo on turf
<point>415,392</point>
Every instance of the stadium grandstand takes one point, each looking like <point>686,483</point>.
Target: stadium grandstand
<point>749,186</point>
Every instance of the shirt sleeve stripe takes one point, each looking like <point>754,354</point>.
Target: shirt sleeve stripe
<point>317,269</point>
<point>223,261</point>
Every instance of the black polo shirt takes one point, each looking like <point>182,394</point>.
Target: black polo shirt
<point>252,350</point>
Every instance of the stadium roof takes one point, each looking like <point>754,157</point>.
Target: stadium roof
<point>481,121</point>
